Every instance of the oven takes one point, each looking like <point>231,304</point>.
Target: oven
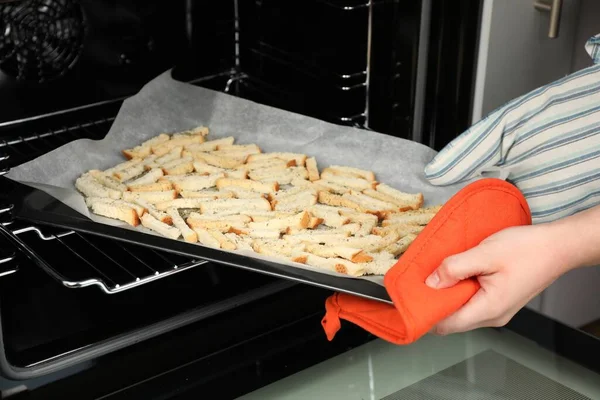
<point>103,319</point>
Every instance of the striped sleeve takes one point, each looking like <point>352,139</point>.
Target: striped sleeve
<point>547,142</point>
<point>593,48</point>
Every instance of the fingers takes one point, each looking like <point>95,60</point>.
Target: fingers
<point>462,266</point>
<point>480,311</point>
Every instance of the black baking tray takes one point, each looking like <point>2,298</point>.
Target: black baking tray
<point>38,207</point>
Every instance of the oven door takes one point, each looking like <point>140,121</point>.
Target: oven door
<point>532,357</point>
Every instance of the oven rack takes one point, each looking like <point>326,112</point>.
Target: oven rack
<point>60,254</point>
<point>65,254</point>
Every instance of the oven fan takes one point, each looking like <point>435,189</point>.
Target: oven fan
<point>40,40</point>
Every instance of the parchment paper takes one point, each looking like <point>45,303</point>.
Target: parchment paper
<point>166,105</point>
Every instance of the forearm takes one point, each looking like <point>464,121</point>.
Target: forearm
<point>578,238</point>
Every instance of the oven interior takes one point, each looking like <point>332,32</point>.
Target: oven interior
<point>65,68</point>
<point>319,57</point>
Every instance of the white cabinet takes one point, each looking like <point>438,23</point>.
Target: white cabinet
<point>516,56</point>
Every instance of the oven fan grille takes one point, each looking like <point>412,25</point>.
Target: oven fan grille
<point>40,40</point>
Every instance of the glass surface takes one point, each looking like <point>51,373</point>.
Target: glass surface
<point>482,364</point>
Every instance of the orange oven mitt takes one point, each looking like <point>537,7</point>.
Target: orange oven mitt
<point>477,211</point>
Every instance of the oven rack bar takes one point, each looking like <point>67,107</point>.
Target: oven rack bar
<point>352,7</point>
<point>356,120</point>
<point>51,133</point>
<point>301,65</point>
<point>289,64</point>
<point>19,149</point>
<point>111,279</point>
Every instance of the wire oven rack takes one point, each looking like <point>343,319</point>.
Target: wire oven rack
<point>67,255</point>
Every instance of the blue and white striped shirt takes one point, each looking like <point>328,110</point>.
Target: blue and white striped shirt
<point>546,142</point>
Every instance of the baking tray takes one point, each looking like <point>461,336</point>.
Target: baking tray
<point>38,207</point>
<point>167,105</point>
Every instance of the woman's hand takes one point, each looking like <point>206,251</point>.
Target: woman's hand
<point>512,267</point>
